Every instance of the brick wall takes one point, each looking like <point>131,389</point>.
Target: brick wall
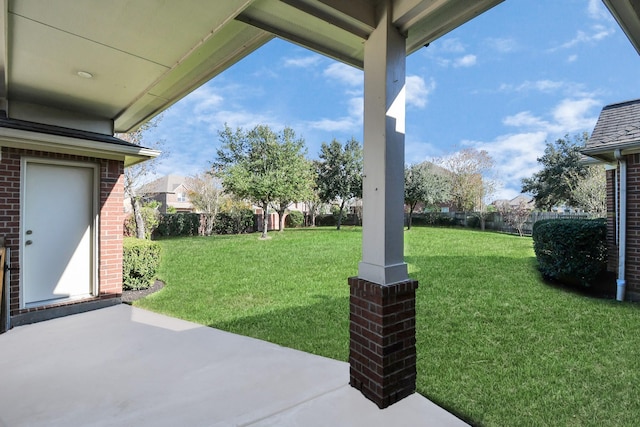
<point>382,349</point>
<point>612,261</point>
<point>632,270</point>
<point>110,224</point>
<point>632,261</point>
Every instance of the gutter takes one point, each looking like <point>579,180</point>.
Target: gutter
<point>622,227</point>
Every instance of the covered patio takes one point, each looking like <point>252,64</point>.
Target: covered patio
<point>123,366</point>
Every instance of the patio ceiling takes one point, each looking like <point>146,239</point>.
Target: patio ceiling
<point>111,65</point>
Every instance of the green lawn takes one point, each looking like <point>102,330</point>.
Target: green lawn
<point>496,345</point>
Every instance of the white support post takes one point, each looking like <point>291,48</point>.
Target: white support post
<point>383,184</point>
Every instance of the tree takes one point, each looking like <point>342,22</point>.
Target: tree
<point>515,216</point>
<point>207,196</point>
<point>471,184</point>
<point>340,173</point>
<point>258,165</point>
<point>561,171</point>
<point>134,175</point>
<point>590,192</point>
<point>425,183</point>
<point>296,175</point>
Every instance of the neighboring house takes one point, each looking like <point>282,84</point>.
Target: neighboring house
<point>515,202</point>
<point>170,191</point>
<point>615,141</point>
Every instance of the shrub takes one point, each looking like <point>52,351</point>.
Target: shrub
<point>294,219</point>
<point>140,260</point>
<point>434,218</point>
<point>326,220</point>
<point>234,222</point>
<point>179,224</point>
<point>573,251</point>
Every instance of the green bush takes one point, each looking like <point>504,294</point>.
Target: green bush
<point>140,260</point>
<point>179,224</point>
<point>234,222</point>
<point>434,219</point>
<point>294,219</point>
<point>573,251</point>
<point>326,220</point>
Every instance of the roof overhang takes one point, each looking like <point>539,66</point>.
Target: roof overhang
<point>607,155</point>
<point>60,142</point>
<point>109,66</point>
<point>627,13</point>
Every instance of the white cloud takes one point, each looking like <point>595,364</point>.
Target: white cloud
<point>596,33</point>
<point>515,157</point>
<point>418,91</point>
<point>345,74</point>
<point>597,11</point>
<point>527,120</point>
<point>303,62</point>
<point>502,45</point>
<point>515,154</point>
<point>452,45</point>
<point>465,61</point>
<point>573,115</point>
<point>572,58</point>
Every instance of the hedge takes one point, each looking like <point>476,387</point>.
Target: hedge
<point>573,251</point>
<point>179,224</point>
<point>140,260</point>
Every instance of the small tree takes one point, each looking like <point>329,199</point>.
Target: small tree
<point>134,175</point>
<point>590,191</point>
<point>425,183</point>
<point>256,165</point>
<point>340,173</point>
<point>206,195</point>
<point>515,216</point>
<point>471,184</point>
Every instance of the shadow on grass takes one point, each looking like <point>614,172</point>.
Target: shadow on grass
<point>320,328</point>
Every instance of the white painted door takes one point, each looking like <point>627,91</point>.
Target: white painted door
<point>57,240</point>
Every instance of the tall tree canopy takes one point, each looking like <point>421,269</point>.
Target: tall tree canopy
<point>264,167</point>
<point>560,174</point>
<point>340,173</point>
<point>425,183</point>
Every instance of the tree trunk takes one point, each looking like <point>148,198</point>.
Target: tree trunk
<point>137,216</point>
<point>265,220</point>
<point>340,215</point>
<point>483,220</point>
<point>411,208</point>
<point>281,217</point>
<point>209,226</point>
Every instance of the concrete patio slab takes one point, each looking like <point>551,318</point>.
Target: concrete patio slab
<point>126,366</point>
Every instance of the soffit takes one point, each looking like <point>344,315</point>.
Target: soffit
<point>145,55</point>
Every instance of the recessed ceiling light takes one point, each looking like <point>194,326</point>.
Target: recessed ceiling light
<point>85,74</point>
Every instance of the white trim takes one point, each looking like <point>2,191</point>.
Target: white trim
<point>95,223</point>
<point>28,140</point>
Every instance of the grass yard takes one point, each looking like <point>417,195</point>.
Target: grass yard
<point>496,345</point>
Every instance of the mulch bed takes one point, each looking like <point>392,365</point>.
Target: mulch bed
<point>130,296</point>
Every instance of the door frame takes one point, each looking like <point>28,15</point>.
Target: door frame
<point>24,161</point>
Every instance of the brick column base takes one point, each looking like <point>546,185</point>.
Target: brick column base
<point>382,349</point>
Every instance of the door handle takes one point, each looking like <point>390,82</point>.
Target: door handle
<point>29,232</point>
<point>28,242</point>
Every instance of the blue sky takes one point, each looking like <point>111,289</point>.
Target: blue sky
<point>523,73</point>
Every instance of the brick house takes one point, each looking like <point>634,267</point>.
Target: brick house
<point>171,191</point>
<point>615,141</point>
<point>61,218</point>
